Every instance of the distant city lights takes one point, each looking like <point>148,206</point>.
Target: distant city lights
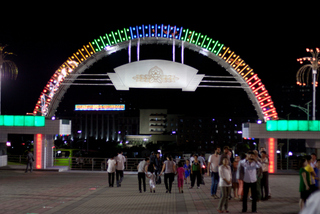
<point>100,107</point>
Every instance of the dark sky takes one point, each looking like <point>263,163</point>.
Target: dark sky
<point>268,37</point>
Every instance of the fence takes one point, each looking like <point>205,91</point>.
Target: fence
<point>99,164</point>
<point>17,160</point>
<point>79,163</point>
<point>293,164</point>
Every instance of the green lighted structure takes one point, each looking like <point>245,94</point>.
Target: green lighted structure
<point>22,120</point>
<point>293,125</point>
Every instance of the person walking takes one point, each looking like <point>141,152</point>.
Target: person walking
<point>142,170</point>
<point>310,170</point>
<point>225,183</point>
<point>226,154</point>
<point>120,159</point>
<point>169,168</point>
<point>250,180</point>
<point>235,183</point>
<point>158,167</point>
<point>30,161</point>
<point>240,175</point>
<point>265,176</point>
<point>195,172</point>
<point>304,186</point>
<point>187,171</point>
<point>213,165</point>
<point>111,170</point>
<point>180,173</point>
<point>259,175</point>
<point>152,179</point>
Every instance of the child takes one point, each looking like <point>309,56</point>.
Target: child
<point>187,168</point>
<point>152,180</point>
<point>181,176</point>
<point>111,171</point>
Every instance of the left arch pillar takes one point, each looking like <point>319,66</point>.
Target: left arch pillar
<point>43,150</point>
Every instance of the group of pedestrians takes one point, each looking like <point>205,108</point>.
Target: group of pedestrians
<point>153,168</point>
<point>309,177</point>
<point>251,172</point>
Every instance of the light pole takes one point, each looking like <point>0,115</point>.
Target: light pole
<point>303,73</point>
<point>305,110</point>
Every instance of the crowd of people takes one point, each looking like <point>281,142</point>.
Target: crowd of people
<point>240,173</point>
<point>309,178</point>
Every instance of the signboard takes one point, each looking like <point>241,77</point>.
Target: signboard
<point>156,74</point>
<point>100,107</point>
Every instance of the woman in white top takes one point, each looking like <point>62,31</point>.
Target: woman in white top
<point>225,183</point>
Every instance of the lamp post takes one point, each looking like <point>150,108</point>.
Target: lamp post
<point>303,74</point>
<point>305,110</point>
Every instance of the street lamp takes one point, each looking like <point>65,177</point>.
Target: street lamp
<point>303,73</point>
<point>305,110</point>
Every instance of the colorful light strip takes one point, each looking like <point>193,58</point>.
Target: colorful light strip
<point>103,107</point>
<point>38,151</point>
<point>271,155</point>
<point>22,120</point>
<point>164,31</point>
<point>294,125</point>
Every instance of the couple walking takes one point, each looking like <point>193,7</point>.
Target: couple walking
<point>116,166</point>
<point>169,169</point>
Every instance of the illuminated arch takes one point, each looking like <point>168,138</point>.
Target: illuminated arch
<point>155,34</point>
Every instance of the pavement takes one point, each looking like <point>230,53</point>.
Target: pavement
<point>89,192</point>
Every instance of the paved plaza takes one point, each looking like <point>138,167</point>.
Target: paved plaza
<point>88,192</point>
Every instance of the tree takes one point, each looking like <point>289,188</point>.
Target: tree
<point>7,67</point>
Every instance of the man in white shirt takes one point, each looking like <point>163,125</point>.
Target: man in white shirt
<point>250,180</point>
<point>142,169</point>
<point>120,159</point>
<point>111,170</point>
<point>213,165</point>
<point>313,162</point>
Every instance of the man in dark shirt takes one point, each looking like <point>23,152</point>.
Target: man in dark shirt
<point>29,161</point>
<point>158,167</point>
<point>225,154</point>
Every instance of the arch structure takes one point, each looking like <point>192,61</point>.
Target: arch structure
<point>121,39</point>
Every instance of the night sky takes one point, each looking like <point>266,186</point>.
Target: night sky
<point>268,37</point>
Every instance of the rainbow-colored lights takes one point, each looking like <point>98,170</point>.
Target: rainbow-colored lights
<point>257,87</point>
<point>159,31</point>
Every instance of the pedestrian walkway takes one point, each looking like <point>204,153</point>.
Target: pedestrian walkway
<point>88,192</point>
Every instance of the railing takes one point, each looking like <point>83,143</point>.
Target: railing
<point>293,164</point>
<point>99,164</point>
<point>17,160</point>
